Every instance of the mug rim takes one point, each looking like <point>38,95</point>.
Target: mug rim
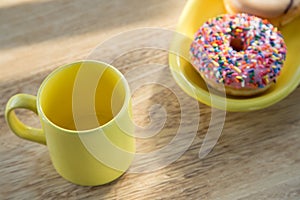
<point>62,67</point>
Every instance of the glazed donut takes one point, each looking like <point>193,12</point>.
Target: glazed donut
<point>241,51</point>
<point>278,12</point>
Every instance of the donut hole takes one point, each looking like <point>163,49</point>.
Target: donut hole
<point>237,44</point>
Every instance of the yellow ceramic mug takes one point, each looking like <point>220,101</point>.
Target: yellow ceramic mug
<point>85,112</point>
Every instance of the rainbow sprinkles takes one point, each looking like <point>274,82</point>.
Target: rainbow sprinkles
<point>239,51</point>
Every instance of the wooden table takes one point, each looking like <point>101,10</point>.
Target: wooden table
<point>256,157</point>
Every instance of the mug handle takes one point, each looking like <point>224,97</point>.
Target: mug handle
<point>20,129</point>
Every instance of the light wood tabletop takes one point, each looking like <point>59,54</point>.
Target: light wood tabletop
<point>256,157</point>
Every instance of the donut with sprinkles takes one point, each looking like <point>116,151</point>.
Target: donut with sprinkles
<point>240,51</point>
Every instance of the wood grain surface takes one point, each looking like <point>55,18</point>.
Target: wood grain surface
<point>256,157</point>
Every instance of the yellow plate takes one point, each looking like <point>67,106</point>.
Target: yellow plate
<point>195,13</point>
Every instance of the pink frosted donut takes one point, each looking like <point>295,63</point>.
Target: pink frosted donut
<point>241,51</point>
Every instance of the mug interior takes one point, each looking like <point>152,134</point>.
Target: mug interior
<point>83,95</point>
